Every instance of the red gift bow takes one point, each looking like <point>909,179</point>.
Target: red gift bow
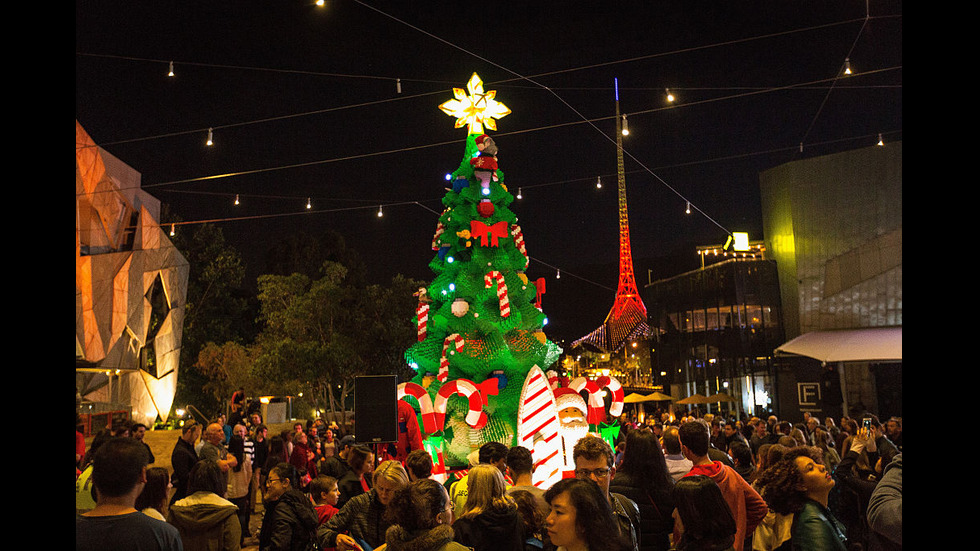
<point>496,231</point>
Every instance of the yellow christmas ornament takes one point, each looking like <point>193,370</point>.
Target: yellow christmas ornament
<point>476,109</point>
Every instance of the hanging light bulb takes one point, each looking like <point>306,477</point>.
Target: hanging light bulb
<point>171,73</point>
<point>847,66</point>
<point>210,136</point>
<point>309,205</point>
<point>320,3</point>
<point>598,182</point>
<point>626,127</point>
<point>518,193</point>
<point>880,140</point>
<point>171,230</point>
<point>380,213</point>
<point>688,209</point>
<point>398,85</point>
<point>670,97</point>
<point>558,275</point>
<point>236,198</point>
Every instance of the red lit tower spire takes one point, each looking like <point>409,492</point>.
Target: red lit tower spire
<point>628,317</point>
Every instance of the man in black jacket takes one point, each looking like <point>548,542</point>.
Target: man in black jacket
<point>183,458</point>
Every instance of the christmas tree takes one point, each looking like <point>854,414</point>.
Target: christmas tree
<point>480,321</point>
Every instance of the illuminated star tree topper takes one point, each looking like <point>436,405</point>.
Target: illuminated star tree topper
<point>476,109</point>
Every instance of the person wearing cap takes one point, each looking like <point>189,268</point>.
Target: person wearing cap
<point>336,465</point>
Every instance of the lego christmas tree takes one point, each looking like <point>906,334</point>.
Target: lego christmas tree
<point>480,320</point>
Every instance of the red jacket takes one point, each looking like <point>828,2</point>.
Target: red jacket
<point>746,504</point>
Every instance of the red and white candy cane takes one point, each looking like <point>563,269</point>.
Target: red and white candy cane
<point>494,277</point>
<point>429,424</point>
<point>597,412</point>
<point>518,235</point>
<point>553,380</point>
<point>456,340</point>
<point>422,313</point>
<point>440,228</point>
<point>466,388</point>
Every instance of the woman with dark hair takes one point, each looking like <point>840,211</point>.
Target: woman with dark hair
<point>490,521</point>
<point>581,518</point>
<point>800,486</point>
<point>532,518</point>
<point>357,480</point>
<point>644,478</point>
<point>206,521</point>
<point>153,499</point>
<point>704,520</point>
<point>421,515</point>
<point>239,477</point>
<point>289,522</point>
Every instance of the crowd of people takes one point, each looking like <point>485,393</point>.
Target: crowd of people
<point>688,484</point>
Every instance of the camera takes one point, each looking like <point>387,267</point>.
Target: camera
<point>867,423</point>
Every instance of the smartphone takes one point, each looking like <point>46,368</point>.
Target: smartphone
<point>867,423</point>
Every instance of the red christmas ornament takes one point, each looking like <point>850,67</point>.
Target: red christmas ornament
<point>485,208</point>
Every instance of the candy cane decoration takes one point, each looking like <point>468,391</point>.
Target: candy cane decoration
<point>466,388</point>
<point>444,360</point>
<point>597,412</point>
<point>492,277</point>
<point>429,424</point>
<point>518,235</point>
<point>440,228</point>
<point>553,380</point>
<point>422,312</point>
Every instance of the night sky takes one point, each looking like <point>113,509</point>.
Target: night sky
<point>304,103</point>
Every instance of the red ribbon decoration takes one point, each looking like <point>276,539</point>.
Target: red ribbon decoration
<point>480,230</point>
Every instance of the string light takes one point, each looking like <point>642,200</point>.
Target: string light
<point>880,140</point>
<point>847,66</point>
<point>558,274</point>
<point>518,193</point>
<point>236,198</point>
<point>670,97</point>
<point>171,230</point>
<point>688,209</point>
<point>320,3</point>
<point>598,182</point>
<point>171,73</point>
<point>210,136</point>
<point>398,85</point>
<point>380,213</point>
<point>309,205</point>
<point>626,128</point>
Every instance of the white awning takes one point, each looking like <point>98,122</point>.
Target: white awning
<point>848,345</point>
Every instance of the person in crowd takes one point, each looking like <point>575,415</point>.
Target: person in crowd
<point>418,463</point>
<point>138,431</point>
<point>703,518</point>
<point>260,446</point>
<point>677,464</point>
<point>490,453</point>
<point>206,520</point>
<point>79,443</point>
<point>122,428</point>
<point>760,437</point>
<point>182,459</point>
<point>532,518</point>
<point>718,439</point>
<point>325,495</point>
<point>742,458</point>
<point>857,475</point>
<point>421,517</point>
<point>800,486</point>
<point>593,460</point>
<point>362,518</point>
<point>581,518</point>
<point>215,450</point>
<point>303,458</point>
<point>885,507</point>
<point>273,458</point>
<point>643,478</point>
<point>799,434</point>
<point>746,505</point>
<point>119,474</point>
<point>84,487</point>
<point>893,430</point>
<point>358,479</point>
<point>329,445</point>
<point>155,496</point>
<point>490,520</point>
<point>823,440</point>
<point>811,430</point>
<point>240,478</point>
<point>336,465</point>
<point>733,435</point>
<point>289,522</point>
<point>520,466</point>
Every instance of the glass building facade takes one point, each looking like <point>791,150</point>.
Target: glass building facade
<point>715,332</point>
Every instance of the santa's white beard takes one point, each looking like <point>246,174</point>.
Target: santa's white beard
<point>573,429</point>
